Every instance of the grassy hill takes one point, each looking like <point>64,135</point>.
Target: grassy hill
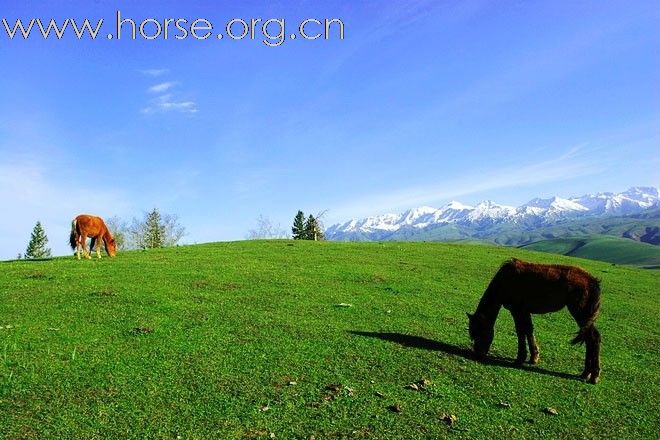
<point>241,340</point>
<point>603,248</point>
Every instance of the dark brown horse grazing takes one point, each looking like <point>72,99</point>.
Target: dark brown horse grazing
<point>524,288</point>
<point>85,226</point>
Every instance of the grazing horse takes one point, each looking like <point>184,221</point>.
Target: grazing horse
<point>524,288</point>
<point>85,226</point>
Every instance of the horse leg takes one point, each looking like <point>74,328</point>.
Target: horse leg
<point>531,340</point>
<point>534,357</point>
<point>98,246</point>
<point>78,247</point>
<point>83,242</point>
<point>591,347</point>
<point>588,357</point>
<point>520,332</point>
<point>594,342</point>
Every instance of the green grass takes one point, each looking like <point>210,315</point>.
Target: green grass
<point>603,248</point>
<point>241,340</point>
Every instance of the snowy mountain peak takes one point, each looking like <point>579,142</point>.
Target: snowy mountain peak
<point>555,204</point>
<point>490,211</point>
<point>418,212</point>
<point>628,202</point>
<point>535,212</point>
<point>486,204</point>
<point>490,207</point>
<point>642,193</point>
<point>418,217</point>
<point>457,206</point>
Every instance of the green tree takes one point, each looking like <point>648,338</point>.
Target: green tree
<point>38,241</point>
<point>298,228</point>
<point>313,229</point>
<point>155,231</point>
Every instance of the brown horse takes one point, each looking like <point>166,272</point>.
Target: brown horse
<point>524,288</point>
<point>85,226</point>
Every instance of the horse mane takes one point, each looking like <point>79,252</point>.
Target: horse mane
<point>107,235</point>
<point>518,266</point>
<point>592,308</point>
<point>548,270</point>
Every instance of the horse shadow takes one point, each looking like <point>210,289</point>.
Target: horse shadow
<point>455,350</point>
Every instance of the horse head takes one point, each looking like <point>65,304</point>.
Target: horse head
<point>111,247</point>
<point>481,334</point>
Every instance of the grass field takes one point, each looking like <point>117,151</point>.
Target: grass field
<point>603,248</point>
<point>248,339</point>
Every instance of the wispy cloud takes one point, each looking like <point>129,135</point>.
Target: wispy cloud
<point>396,17</point>
<point>569,165</point>
<point>162,87</point>
<point>167,103</point>
<point>154,72</point>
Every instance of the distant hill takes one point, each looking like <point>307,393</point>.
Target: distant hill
<point>639,227</point>
<point>633,214</point>
<point>603,248</point>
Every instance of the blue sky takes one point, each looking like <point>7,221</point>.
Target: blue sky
<point>421,103</point>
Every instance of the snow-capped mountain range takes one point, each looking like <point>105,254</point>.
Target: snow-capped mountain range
<point>535,213</point>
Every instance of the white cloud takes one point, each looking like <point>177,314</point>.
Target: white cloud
<point>162,87</point>
<point>154,72</point>
<point>167,103</point>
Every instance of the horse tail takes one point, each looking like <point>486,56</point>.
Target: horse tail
<point>72,237</point>
<point>591,309</point>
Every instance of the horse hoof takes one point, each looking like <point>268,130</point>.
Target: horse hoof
<point>534,360</point>
<point>519,363</point>
<point>594,380</point>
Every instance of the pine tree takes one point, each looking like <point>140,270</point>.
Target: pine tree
<point>298,229</point>
<point>38,241</point>
<point>154,236</point>
<point>313,230</point>
<point>156,230</point>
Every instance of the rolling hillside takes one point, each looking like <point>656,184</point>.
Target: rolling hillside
<point>603,248</point>
<point>289,340</point>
